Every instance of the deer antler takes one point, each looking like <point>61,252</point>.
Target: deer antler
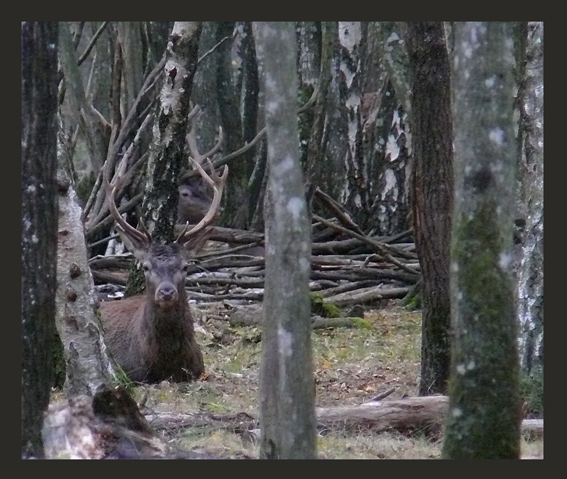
<point>137,237</point>
<point>217,183</point>
<point>192,141</point>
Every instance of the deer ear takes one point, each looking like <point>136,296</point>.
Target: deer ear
<point>137,248</point>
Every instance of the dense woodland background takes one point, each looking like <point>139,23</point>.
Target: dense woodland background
<point>381,111</point>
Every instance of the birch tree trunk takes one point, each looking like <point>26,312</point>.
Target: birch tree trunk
<point>287,395</point>
<point>39,226</point>
<point>167,152</point>
<point>353,192</point>
<point>385,128</point>
<point>484,403</point>
<point>87,363</point>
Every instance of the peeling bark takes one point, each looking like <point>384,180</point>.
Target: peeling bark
<point>87,363</point>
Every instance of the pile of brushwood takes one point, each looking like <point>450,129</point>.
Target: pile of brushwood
<point>348,267</point>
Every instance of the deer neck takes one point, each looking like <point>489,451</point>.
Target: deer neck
<point>164,325</point>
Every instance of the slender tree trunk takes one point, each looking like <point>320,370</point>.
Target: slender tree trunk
<point>251,123</point>
<point>385,128</point>
<point>308,68</point>
<point>432,192</point>
<point>130,42</point>
<point>353,193</point>
<point>170,129</point>
<point>39,225</point>
<point>287,395</point>
<point>484,403</point>
<point>236,212</point>
<point>317,141</point>
<point>530,219</point>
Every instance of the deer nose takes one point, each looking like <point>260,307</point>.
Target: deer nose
<point>166,292</point>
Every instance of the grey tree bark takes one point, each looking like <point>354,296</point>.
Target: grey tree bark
<point>39,226</point>
<point>484,403</point>
<point>432,193</point>
<point>88,366</point>
<point>287,394</point>
<point>130,42</point>
<point>530,215</point>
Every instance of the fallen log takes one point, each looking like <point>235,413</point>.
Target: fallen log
<point>366,295</point>
<point>410,415</point>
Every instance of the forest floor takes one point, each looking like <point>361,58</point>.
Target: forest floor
<point>351,366</point>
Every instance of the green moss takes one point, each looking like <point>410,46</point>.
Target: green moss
<point>483,388</point>
<point>412,302</point>
<point>362,323</point>
<point>322,308</point>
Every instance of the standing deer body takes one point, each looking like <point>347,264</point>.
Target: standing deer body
<point>151,336</point>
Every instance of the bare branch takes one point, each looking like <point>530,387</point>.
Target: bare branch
<point>92,43</point>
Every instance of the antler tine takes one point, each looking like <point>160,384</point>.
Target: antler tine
<point>217,146</point>
<point>217,182</point>
<point>121,223</point>
<point>192,141</point>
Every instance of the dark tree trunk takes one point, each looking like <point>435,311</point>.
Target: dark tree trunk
<point>204,92</point>
<point>236,211</point>
<point>432,191</point>
<point>317,141</point>
<point>484,402</point>
<point>308,68</point>
<point>39,225</point>
<point>250,121</point>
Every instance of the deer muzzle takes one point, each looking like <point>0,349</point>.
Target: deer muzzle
<point>166,295</point>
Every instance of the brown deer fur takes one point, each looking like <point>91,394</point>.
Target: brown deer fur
<point>151,336</point>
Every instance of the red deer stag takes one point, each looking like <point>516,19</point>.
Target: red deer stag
<point>151,335</point>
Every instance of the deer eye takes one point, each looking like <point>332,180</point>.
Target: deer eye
<point>185,267</point>
<point>146,267</point>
